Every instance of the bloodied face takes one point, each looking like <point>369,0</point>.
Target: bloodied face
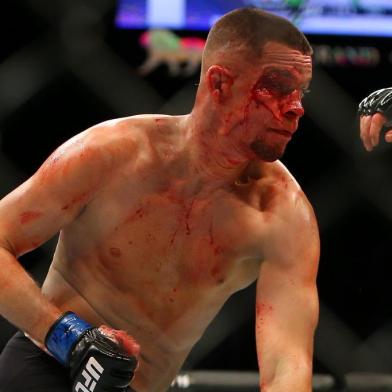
<point>273,100</point>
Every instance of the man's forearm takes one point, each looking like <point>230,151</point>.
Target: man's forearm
<point>21,300</point>
<point>289,375</point>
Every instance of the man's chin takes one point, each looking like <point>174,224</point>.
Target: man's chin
<point>267,153</point>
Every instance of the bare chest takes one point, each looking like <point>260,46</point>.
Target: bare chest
<point>155,239</point>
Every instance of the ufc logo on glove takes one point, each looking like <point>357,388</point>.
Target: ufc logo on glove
<point>91,374</point>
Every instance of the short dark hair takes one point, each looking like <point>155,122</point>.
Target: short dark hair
<point>250,29</point>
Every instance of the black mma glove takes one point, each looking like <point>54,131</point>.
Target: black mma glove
<point>100,359</point>
<point>378,101</point>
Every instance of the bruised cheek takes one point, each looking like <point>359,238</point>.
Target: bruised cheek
<point>264,99</point>
<point>253,102</point>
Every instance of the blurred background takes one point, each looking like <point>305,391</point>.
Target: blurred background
<point>66,65</point>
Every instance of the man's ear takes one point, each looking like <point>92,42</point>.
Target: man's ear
<point>219,81</point>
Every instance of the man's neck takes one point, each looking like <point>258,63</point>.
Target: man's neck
<point>214,159</point>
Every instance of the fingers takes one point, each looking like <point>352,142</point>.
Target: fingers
<point>388,136</point>
<point>364,124</point>
<point>126,343</point>
<point>371,127</point>
<point>378,121</point>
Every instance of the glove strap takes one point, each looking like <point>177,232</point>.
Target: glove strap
<point>63,336</point>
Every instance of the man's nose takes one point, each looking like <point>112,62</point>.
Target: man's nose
<point>293,107</point>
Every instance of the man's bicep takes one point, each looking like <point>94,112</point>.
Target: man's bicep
<point>46,202</point>
<point>29,216</point>
<point>287,300</point>
<point>286,305</point>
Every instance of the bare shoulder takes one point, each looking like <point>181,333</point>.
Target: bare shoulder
<point>277,187</point>
<point>277,172</point>
<point>290,214</point>
<point>281,196</point>
<point>86,161</point>
<point>134,131</point>
<point>288,225</point>
<point>94,155</point>
<point>107,144</point>
<point>115,137</point>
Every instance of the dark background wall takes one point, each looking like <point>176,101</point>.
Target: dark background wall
<point>64,67</point>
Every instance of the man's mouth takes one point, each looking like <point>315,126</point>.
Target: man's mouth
<point>282,132</point>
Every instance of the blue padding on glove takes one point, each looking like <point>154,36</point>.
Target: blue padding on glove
<point>63,336</point>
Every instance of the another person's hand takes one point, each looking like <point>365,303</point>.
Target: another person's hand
<point>375,115</point>
<point>100,359</point>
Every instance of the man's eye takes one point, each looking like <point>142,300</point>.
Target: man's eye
<point>276,84</point>
<point>286,90</point>
<point>280,90</point>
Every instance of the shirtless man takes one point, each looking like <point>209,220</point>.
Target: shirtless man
<point>375,115</point>
<point>161,219</point>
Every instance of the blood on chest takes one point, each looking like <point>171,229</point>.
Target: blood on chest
<point>180,243</point>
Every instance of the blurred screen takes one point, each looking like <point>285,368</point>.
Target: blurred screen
<point>330,17</point>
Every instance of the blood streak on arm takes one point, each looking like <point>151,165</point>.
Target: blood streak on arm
<point>29,216</point>
<point>262,310</point>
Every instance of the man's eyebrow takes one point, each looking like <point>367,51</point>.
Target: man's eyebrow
<point>287,73</point>
<point>280,71</point>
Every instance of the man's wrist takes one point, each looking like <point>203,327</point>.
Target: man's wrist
<point>63,336</point>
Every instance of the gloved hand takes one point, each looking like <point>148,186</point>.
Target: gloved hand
<point>100,359</point>
<point>376,118</point>
<point>379,101</point>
